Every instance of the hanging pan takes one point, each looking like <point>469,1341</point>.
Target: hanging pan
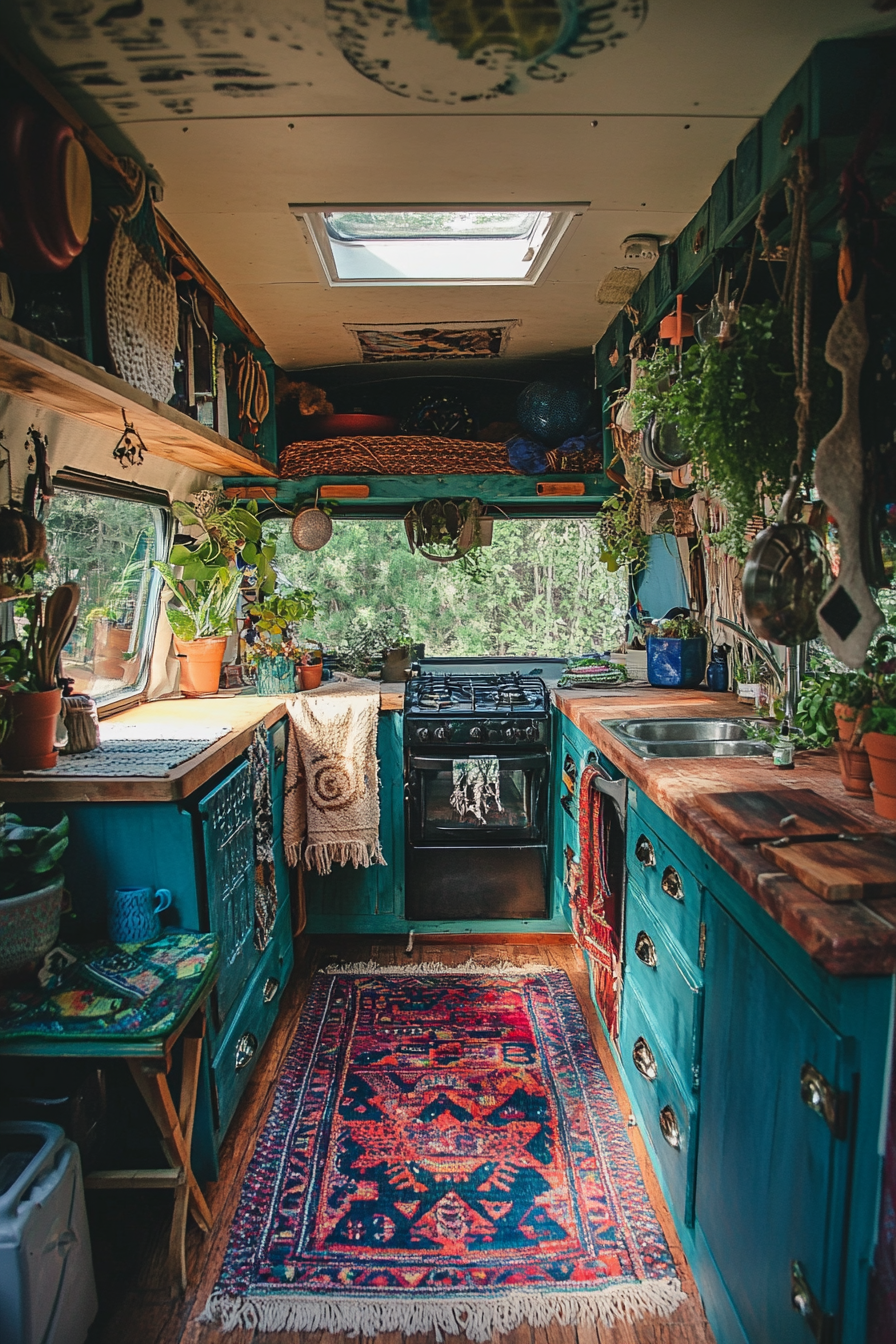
<point>785,577</point>
<point>311,528</point>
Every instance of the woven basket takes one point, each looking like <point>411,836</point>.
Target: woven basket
<point>415,455</point>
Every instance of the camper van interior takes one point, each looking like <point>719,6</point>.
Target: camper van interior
<point>447,671</point>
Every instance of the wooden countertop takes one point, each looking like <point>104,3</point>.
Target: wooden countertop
<point>242,713</point>
<point>853,938</point>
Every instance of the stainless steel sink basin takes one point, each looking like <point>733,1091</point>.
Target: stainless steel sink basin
<point>685,737</point>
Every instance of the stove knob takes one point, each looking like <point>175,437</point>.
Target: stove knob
<point>422,734</point>
<point>475,734</point>
<point>509,734</point>
<point>531,732</point>
<point>442,732</point>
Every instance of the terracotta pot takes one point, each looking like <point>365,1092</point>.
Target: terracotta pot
<point>849,721</point>
<point>855,769</point>
<point>200,668</point>
<point>311,675</point>
<point>32,737</point>
<point>29,926</point>
<point>881,748</point>
<point>109,643</point>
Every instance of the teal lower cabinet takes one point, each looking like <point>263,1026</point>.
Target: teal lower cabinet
<point>372,900</point>
<point>201,848</point>
<point>758,1083</point>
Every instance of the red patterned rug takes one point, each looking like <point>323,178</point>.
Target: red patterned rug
<point>444,1153</point>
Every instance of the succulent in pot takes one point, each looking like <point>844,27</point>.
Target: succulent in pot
<point>28,676</point>
<point>30,889</point>
<point>201,624</point>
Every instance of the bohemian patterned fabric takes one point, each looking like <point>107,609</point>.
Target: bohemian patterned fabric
<point>444,1153</point>
<point>594,907</point>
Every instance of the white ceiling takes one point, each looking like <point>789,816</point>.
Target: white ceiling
<point>246,106</point>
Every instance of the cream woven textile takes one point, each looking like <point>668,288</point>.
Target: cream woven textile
<point>332,806</point>
<point>141,308</point>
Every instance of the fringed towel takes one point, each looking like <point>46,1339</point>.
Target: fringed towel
<point>263,816</point>
<point>595,916</point>
<point>332,806</point>
<point>477,787</point>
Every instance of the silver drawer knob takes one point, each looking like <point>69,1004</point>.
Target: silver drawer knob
<point>645,949</point>
<point>245,1049</point>
<point>644,1059</point>
<point>672,884</point>
<point>644,852</point>
<point>669,1127</point>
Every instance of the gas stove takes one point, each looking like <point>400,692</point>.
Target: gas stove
<point>500,709</point>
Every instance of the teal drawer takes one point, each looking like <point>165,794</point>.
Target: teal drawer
<point>667,1116</point>
<point>668,889</point>
<point>251,1020</point>
<point>670,991</point>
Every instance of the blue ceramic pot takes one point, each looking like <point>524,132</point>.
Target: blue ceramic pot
<point>275,676</point>
<point>676,662</point>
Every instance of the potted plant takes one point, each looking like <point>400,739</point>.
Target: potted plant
<point>28,676</point>
<point>30,889</point>
<point>879,740</point>
<point>676,652</point>
<point>449,530</point>
<point>201,624</point>
<point>271,639</point>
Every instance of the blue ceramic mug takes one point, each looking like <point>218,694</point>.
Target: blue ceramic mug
<point>133,913</point>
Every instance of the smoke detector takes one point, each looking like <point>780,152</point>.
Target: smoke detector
<point>641,247</point>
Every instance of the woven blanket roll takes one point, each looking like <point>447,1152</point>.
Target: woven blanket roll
<point>332,806</point>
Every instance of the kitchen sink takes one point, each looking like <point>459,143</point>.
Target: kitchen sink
<point>685,737</point>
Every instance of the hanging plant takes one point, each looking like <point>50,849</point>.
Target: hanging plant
<point>623,539</point>
<point>733,407</point>
<point>449,530</point>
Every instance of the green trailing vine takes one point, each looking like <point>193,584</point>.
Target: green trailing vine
<point>623,540</point>
<point>733,407</point>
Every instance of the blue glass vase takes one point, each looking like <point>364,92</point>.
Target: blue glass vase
<point>275,676</point>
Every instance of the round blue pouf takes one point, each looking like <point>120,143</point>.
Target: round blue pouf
<point>552,412</point>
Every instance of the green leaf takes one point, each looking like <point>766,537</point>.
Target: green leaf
<point>185,514</point>
<point>181,555</point>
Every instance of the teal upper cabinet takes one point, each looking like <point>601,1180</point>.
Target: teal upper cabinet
<point>771,1194</point>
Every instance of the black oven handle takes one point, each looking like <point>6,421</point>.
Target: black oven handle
<point>532,762</point>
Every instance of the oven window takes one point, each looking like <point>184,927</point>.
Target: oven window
<point>106,544</point>
<point>454,800</point>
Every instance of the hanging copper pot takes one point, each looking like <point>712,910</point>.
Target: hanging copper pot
<point>46,200</point>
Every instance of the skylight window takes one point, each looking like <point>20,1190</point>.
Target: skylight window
<point>436,245</point>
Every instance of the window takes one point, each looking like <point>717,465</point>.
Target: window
<point>543,590</point>
<point>436,245</point>
<point>106,545</point>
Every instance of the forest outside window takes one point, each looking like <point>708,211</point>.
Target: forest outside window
<point>107,544</point>
<point>436,245</point>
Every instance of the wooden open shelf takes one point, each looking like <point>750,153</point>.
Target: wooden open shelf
<point>41,372</point>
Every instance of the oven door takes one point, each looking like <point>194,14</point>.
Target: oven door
<point>514,815</point>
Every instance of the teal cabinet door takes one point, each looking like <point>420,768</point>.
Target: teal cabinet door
<point>229,844</point>
<point>772,1179</point>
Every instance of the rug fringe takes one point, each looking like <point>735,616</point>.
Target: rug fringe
<point>470,967</point>
<point>478,1318</point>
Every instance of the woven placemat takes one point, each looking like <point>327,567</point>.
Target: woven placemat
<point>123,753</point>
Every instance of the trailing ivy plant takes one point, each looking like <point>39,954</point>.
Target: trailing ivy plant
<point>623,540</point>
<point>733,407</point>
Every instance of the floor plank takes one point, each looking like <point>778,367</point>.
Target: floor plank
<point>129,1229</point>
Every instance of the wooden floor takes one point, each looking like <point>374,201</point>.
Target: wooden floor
<point>129,1230</point>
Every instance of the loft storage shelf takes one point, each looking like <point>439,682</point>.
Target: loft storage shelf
<point>41,372</point>
<point>517,496</point>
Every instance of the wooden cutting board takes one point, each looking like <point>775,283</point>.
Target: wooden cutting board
<point>839,870</point>
<point>757,815</point>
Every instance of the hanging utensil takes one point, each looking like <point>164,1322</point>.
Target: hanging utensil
<point>785,575</point>
<point>311,528</point>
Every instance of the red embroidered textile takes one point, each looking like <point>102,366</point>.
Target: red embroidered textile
<point>595,908</point>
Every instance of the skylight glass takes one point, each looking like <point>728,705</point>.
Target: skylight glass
<point>368,224</point>
<point>435,245</point>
